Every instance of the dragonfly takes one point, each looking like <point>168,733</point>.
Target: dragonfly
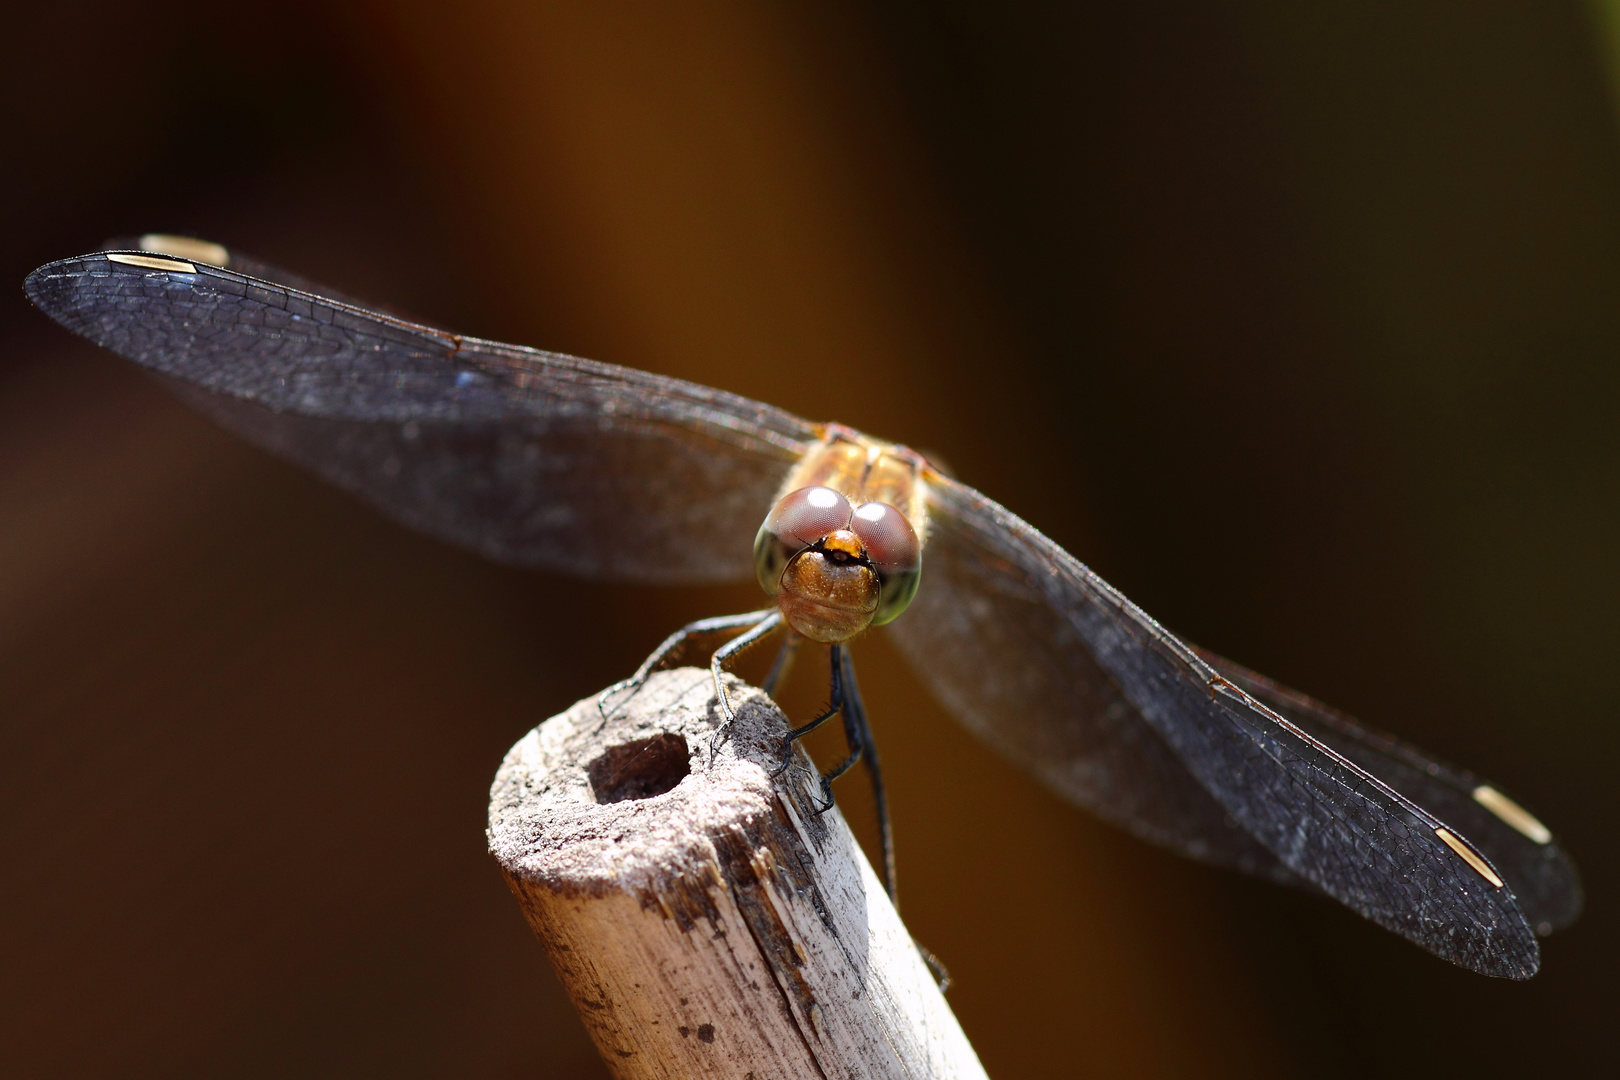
<point>545,460</point>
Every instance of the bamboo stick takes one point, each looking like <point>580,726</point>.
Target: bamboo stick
<point>704,919</point>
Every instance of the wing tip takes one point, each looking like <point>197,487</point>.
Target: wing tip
<point>50,287</point>
<point>1525,969</point>
<point>37,286</point>
<point>34,282</point>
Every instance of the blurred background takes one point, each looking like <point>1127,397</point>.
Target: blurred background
<point>1298,323</point>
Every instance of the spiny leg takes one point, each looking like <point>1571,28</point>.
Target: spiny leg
<point>833,707</point>
<point>671,645</point>
<point>857,728</point>
<point>846,700</point>
<point>859,734</point>
<point>723,656</point>
<point>858,737</point>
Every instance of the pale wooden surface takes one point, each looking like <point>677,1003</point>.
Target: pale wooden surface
<point>719,928</point>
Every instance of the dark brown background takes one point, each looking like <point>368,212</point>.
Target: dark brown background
<point>1297,322</point>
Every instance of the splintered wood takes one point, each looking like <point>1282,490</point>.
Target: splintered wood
<point>704,919</point>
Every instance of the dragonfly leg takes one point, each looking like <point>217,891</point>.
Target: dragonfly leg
<point>858,737</point>
<point>765,623</point>
<point>669,647</point>
<point>859,734</point>
<point>834,706</point>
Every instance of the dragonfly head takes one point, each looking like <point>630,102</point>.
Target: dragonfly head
<point>834,568</point>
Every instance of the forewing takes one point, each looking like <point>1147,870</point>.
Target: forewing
<point>525,456</point>
<point>1543,878</point>
<point>1055,667</point>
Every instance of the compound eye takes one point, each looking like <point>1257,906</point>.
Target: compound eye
<point>798,520</point>
<point>890,542</point>
<point>891,545</point>
<point>802,517</point>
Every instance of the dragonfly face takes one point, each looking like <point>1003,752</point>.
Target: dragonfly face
<point>836,569</point>
<point>604,472</point>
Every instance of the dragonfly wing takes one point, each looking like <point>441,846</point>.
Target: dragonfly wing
<point>528,457</point>
<point>1543,878</point>
<point>1014,668</point>
<point>1090,705</point>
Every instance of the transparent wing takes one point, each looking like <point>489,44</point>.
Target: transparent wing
<point>542,459</point>
<point>1054,667</point>
<point>1543,878</point>
<point>525,456</point>
<point>1008,660</point>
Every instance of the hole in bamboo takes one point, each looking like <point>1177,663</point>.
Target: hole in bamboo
<point>639,769</point>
